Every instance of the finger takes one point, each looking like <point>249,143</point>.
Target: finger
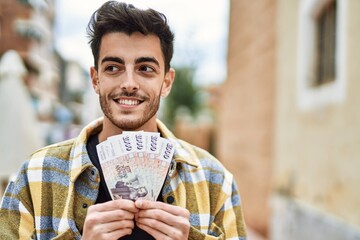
<point>162,217</point>
<point>98,231</point>
<point>124,204</point>
<point>159,227</point>
<point>157,214</point>
<point>174,210</point>
<point>160,210</point>
<point>114,226</point>
<point>117,234</point>
<point>152,231</point>
<point>95,218</point>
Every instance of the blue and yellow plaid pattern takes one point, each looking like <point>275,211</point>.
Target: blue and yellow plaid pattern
<point>51,193</point>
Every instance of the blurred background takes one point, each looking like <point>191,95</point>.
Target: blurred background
<point>268,86</point>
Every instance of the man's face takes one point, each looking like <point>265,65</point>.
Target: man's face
<point>130,80</point>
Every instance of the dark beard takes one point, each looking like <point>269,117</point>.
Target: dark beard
<point>129,125</point>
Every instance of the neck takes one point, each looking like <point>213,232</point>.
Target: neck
<point>109,129</point>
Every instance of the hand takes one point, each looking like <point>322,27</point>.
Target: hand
<point>163,221</point>
<point>109,220</point>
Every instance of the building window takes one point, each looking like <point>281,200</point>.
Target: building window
<point>326,44</point>
<point>321,76</point>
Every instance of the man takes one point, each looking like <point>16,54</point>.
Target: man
<point>60,192</point>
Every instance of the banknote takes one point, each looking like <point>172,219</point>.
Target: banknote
<point>135,164</point>
<point>158,162</point>
<point>104,150</point>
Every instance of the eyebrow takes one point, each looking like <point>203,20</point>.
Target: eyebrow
<point>113,59</point>
<point>147,59</point>
<point>137,60</point>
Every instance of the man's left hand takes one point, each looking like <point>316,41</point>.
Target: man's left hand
<point>163,221</point>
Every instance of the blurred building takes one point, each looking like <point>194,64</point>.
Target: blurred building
<point>197,131</point>
<point>56,86</point>
<point>289,120</point>
<point>27,27</point>
<point>246,111</point>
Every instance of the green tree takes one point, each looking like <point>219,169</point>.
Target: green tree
<point>184,94</point>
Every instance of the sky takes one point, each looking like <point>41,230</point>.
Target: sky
<point>200,27</point>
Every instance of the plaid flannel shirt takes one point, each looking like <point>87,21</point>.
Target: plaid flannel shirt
<point>53,189</point>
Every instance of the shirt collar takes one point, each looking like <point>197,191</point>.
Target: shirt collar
<point>79,156</point>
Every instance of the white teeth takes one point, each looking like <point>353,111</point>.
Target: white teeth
<point>128,102</point>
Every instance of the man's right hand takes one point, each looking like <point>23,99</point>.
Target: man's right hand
<point>109,220</point>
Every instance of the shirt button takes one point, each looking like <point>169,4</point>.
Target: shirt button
<point>85,205</point>
<point>170,199</point>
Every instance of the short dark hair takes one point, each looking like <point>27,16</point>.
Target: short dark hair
<point>115,16</point>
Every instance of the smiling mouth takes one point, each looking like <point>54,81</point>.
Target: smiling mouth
<point>128,102</point>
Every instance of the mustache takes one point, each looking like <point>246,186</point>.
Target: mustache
<point>128,94</point>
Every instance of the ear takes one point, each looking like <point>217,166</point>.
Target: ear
<point>95,79</point>
<point>168,82</point>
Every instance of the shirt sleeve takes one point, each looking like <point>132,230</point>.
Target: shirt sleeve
<point>228,222</point>
<point>16,218</point>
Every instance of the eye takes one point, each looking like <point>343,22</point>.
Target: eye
<point>145,68</point>
<point>112,68</point>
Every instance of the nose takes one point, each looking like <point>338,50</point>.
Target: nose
<point>129,83</point>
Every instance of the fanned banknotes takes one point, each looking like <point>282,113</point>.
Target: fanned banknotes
<point>135,164</point>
